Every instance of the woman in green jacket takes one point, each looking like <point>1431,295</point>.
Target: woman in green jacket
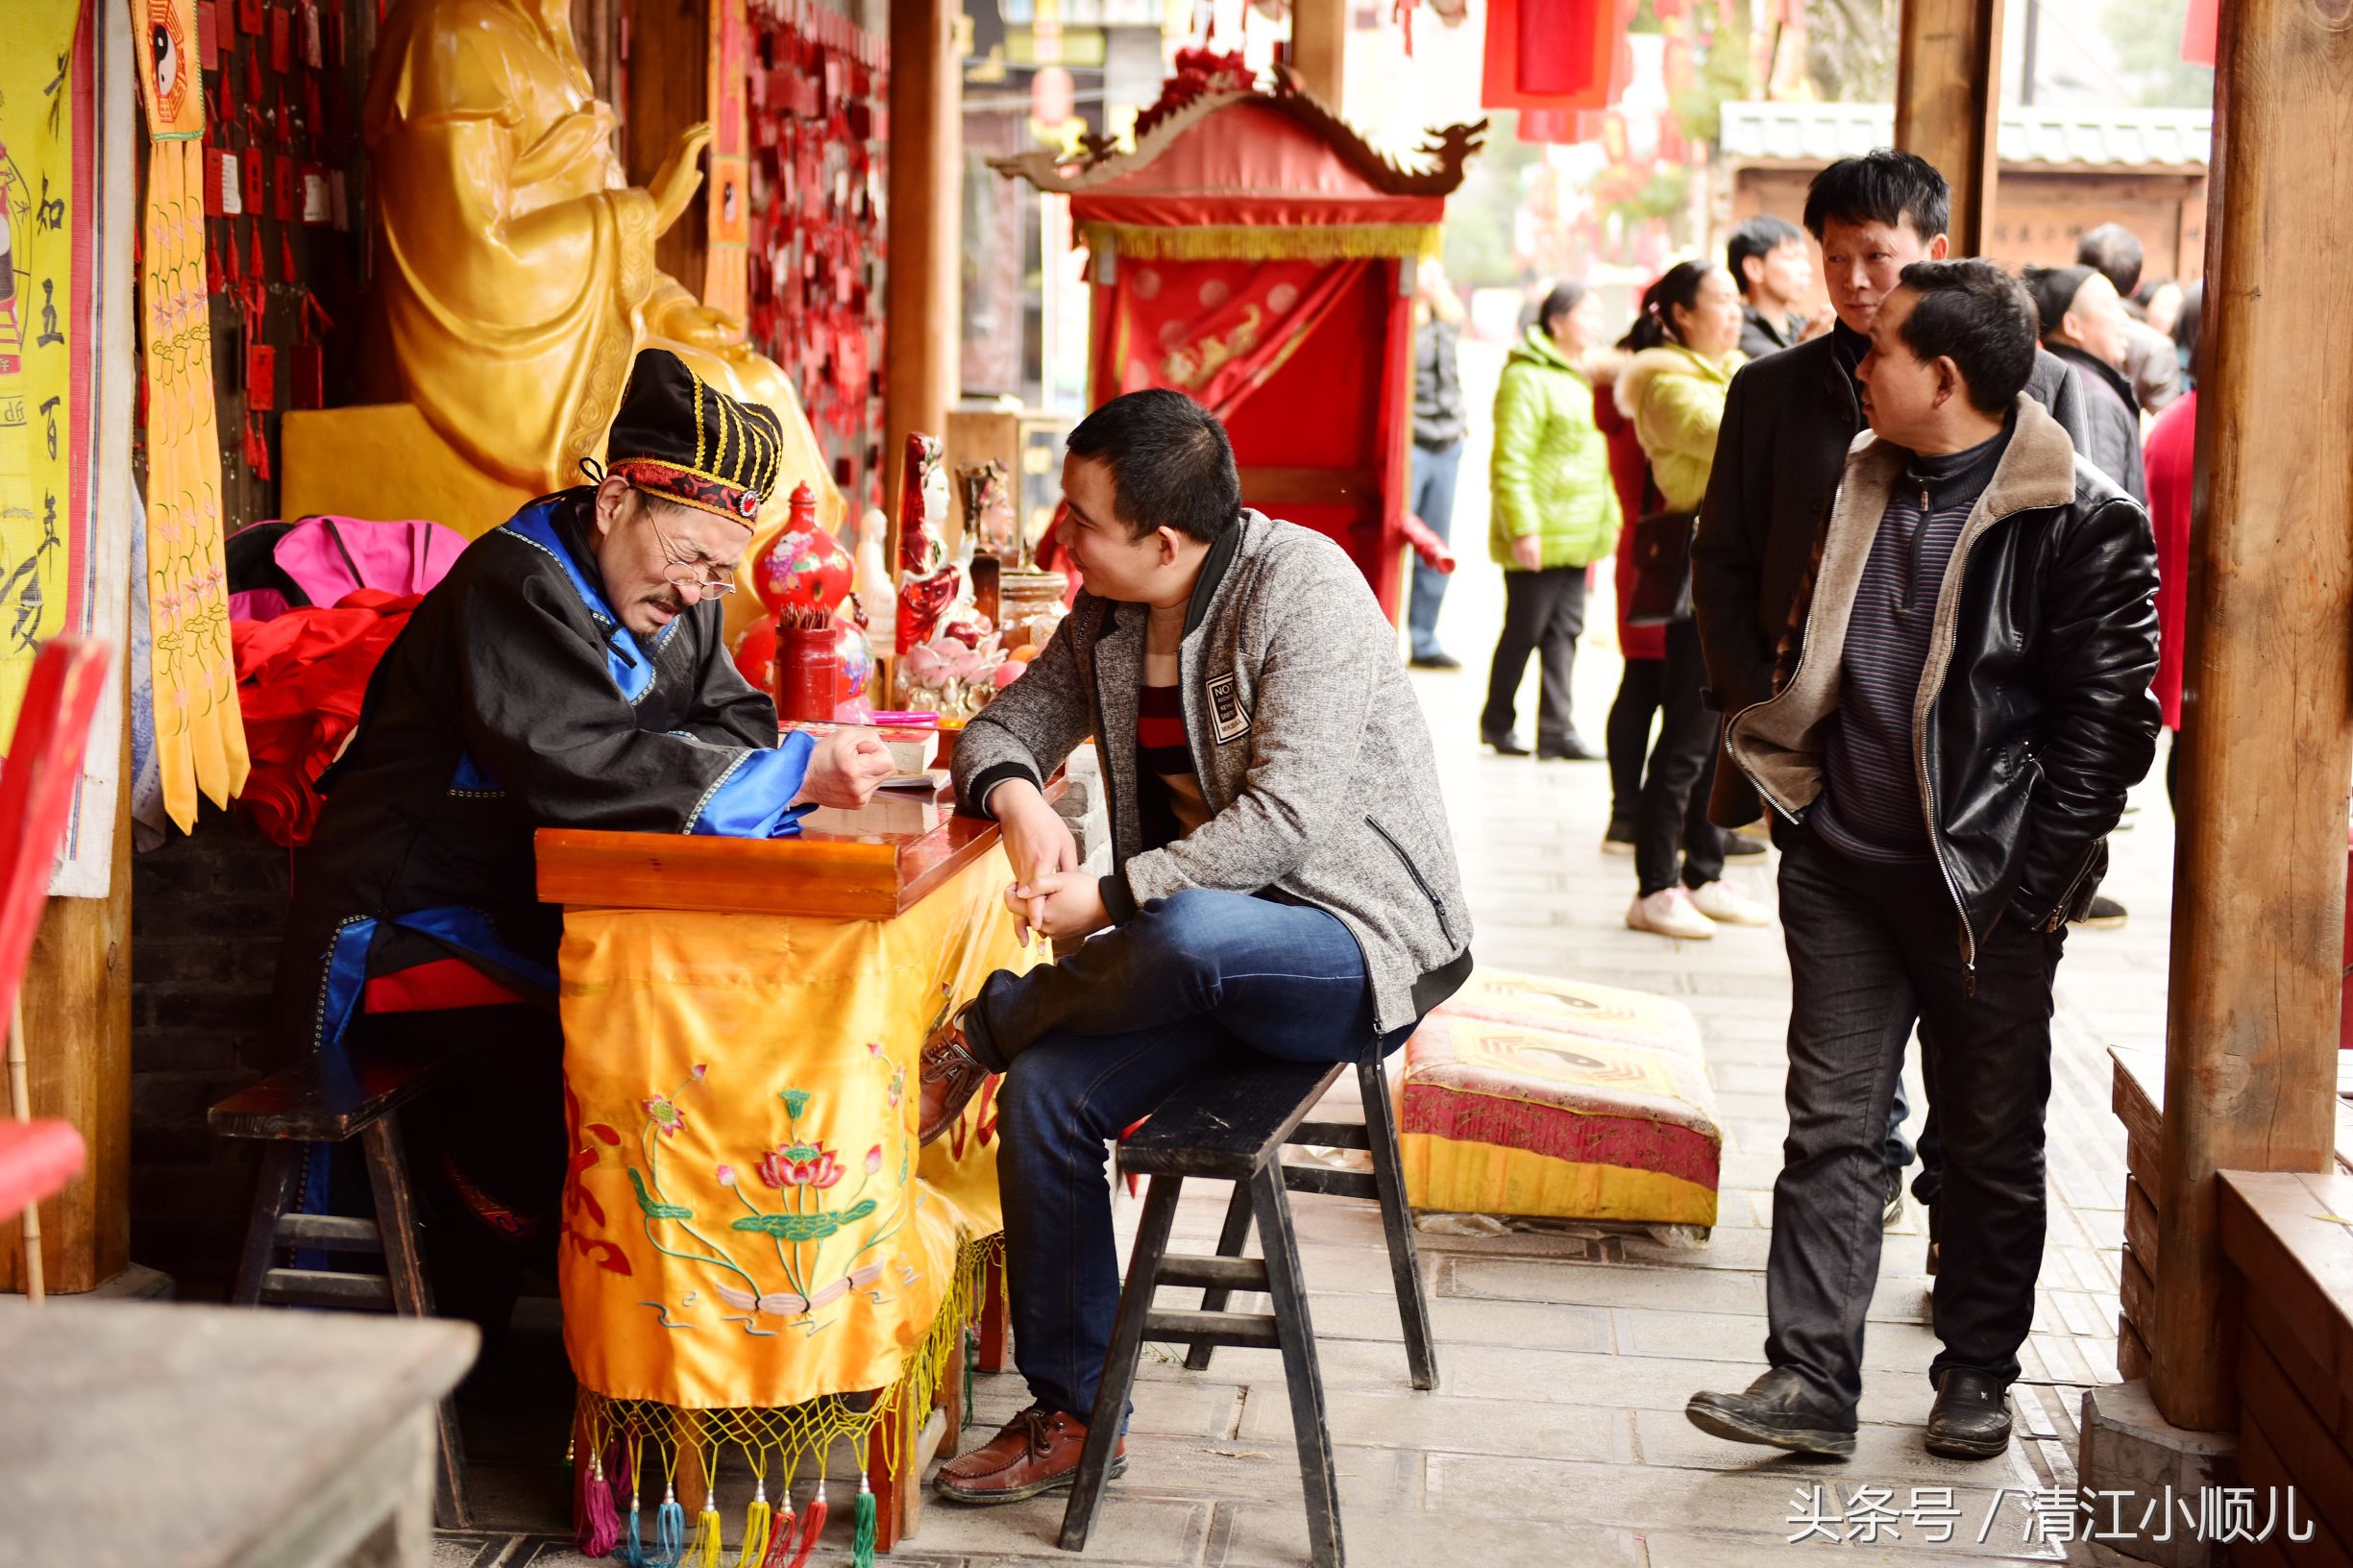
<point>1553,512</point>
<point>1687,342</point>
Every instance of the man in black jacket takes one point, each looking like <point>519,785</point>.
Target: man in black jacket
<point>1956,715</point>
<point>2083,327</point>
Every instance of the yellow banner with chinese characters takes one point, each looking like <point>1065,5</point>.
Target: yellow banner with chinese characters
<point>200,737</point>
<point>747,1223</point>
<point>40,335</point>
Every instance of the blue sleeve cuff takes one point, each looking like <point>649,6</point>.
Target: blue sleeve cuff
<point>754,799</point>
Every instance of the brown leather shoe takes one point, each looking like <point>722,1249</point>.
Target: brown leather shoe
<point>948,1078</point>
<point>1038,1451</point>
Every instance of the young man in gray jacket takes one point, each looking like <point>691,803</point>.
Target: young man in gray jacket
<point>1283,875</point>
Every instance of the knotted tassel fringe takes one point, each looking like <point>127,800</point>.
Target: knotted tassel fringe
<point>862,1545</point>
<point>705,1550</point>
<point>600,1520</point>
<point>669,1531</point>
<point>758,1520</point>
<point>633,1538</point>
<point>780,1535</point>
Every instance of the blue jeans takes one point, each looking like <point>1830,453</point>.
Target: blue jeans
<point>1093,1043</point>
<point>1429,495</point>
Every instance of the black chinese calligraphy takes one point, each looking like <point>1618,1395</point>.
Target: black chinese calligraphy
<point>21,600</point>
<point>49,315</point>
<point>50,215</point>
<point>49,413</point>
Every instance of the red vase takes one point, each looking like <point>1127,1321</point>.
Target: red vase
<point>808,674</point>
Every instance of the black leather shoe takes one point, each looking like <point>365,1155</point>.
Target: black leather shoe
<point>1776,1411</point>
<point>1739,846</point>
<point>1437,660</point>
<point>1573,748</point>
<point>1505,745</point>
<point>1891,1208</point>
<point>1970,1420</point>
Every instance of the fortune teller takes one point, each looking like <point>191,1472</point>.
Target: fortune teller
<point>569,672</point>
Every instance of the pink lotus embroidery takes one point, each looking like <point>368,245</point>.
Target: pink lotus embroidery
<point>666,1115</point>
<point>873,1159</point>
<point>799,1164</point>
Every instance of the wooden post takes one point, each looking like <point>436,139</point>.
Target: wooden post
<point>922,347</point>
<point>1949,104</point>
<point>77,1028</point>
<point>2259,875</point>
<point>1319,47</point>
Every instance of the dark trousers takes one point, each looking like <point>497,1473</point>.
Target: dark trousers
<point>1674,788</point>
<point>1641,689</point>
<point>1092,1043</point>
<point>1544,614</point>
<point>1429,495</point>
<point>1873,950</point>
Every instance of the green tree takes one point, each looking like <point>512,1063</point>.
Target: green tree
<point>2146,37</point>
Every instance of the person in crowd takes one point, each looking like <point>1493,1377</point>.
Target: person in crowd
<point>1961,705</point>
<point>1642,676</point>
<point>569,672</point>
<point>2169,460</point>
<point>1552,514</point>
<point>1686,344</point>
<point>2083,324</point>
<point>1282,875</point>
<point>1437,458</point>
<point>2188,323</point>
<point>2148,363</point>
<point>1788,425</point>
<point>1769,261</point>
<point>2157,303</point>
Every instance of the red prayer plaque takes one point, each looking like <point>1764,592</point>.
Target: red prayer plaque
<point>285,199</point>
<point>282,39</point>
<point>208,35</point>
<point>249,16</point>
<point>318,209</point>
<point>257,180</point>
<point>260,378</point>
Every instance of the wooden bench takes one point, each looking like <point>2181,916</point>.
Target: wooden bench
<point>328,1099</point>
<point>1231,1123</point>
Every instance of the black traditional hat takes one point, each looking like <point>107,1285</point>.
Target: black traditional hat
<point>678,437</point>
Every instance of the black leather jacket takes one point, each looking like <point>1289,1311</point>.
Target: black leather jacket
<point>2034,714</point>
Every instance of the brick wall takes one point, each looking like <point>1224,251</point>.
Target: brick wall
<point>206,913</point>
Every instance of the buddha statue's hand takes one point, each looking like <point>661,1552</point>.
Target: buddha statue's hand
<point>676,181</point>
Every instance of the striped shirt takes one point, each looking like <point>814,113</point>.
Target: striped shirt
<point>1870,806</point>
<point>1173,804</point>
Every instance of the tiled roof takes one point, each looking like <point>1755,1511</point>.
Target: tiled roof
<point>2124,137</point>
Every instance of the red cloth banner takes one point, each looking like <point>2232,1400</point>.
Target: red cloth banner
<point>1214,330</point>
<point>1550,54</point>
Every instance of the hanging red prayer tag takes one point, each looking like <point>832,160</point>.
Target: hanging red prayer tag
<point>208,35</point>
<point>317,210</point>
<point>285,199</point>
<point>314,47</point>
<point>253,182</point>
<point>249,16</point>
<point>282,39</point>
<point>215,206</point>
<point>260,377</point>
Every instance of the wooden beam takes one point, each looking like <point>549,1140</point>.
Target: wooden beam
<point>924,345</point>
<point>2258,878</point>
<point>1319,47</point>
<point>1949,104</point>
<point>668,63</point>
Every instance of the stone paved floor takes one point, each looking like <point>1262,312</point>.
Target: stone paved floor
<point>1555,1434</point>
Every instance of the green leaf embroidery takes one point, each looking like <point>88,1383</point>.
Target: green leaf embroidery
<point>656,1210</point>
<point>804,1227</point>
<point>795,1101</point>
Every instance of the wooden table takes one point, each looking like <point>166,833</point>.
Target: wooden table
<point>875,864</point>
<point>146,1435</point>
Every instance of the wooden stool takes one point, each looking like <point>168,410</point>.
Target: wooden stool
<point>327,1100</point>
<point>1230,1124</point>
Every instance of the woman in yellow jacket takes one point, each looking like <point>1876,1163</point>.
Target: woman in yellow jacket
<point>1687,341</point>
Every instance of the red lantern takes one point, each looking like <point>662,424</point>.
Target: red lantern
<point>803,568</point>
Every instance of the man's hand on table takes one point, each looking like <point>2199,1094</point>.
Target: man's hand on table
<point>1057,904</point>
<point>843,771</point>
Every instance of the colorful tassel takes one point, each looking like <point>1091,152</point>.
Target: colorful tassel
<point>599,1522</point>
<point>758,1520</point>
<point>812,1526</point>
<point>862,1546</point>
<point>780,1535</point>
<point>632,1542</point>
<point>669,1530</point>
<point>703,1552</point>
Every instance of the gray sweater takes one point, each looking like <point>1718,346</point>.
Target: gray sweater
<point>1308,741</point>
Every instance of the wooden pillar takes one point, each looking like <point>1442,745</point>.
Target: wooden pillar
<point>77,1012</point>
<point>2259,875</point>
<point>922,345</point>
<point>669,62</point>
<point>1949,104</point>
<point>1319,47</point>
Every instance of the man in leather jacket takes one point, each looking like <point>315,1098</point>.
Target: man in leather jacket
<point>1961,701</point>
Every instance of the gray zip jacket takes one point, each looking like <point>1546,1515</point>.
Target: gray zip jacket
<point>1311,749</point>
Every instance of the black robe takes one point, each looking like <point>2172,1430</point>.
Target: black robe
<point>515,701</point>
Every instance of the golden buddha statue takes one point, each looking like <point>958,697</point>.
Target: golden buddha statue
<point>515,262</point>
